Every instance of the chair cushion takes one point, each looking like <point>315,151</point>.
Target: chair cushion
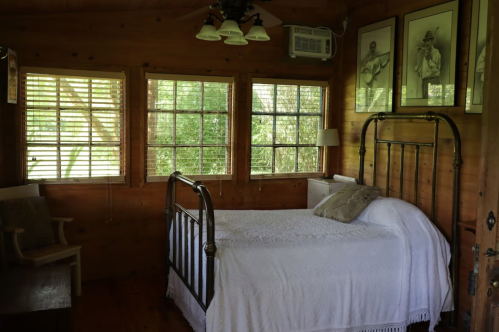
<point>347,203</point>
<point>32,215</point>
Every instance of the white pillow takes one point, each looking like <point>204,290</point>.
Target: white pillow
<point>323,200</point>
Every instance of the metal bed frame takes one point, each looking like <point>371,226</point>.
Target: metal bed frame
<point>210,248</point>
<point>180,225</point>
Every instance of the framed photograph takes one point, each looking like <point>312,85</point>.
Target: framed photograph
<point>375,54</point>
<point>429,56</point>
<point>12,77</point>
<point>476,59</point>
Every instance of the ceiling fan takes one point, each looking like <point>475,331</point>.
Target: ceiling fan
<point>240,8</point>
<point>235,12</point>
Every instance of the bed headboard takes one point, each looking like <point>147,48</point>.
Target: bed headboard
<point>436,118</point>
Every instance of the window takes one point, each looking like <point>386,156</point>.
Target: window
<point>286,116</point>
<point>189,125</point>
<point>72,125</point>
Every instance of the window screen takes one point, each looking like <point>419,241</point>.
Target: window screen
<point>189,127</point>
<point>72,126</point>
<point>286,116</point>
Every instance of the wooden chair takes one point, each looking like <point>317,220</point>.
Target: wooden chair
<point>45,255</point>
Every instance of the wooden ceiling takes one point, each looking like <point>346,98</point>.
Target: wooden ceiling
<point>21,7</point>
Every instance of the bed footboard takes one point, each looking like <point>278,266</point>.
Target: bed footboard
<point>181,223</point>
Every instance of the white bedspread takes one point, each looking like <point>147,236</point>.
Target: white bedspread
<point>289,270</point>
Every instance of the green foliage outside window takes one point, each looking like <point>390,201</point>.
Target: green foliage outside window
<point>188,128</point>
<point>284,126</point>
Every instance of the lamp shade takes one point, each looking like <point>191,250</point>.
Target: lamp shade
<point>236,40</point>
<point>230,28</point>
<point>208,32</point>
<point>328,137</point>
<point>257,33</point>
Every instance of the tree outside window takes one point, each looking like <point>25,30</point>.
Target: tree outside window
<point>189,128</point>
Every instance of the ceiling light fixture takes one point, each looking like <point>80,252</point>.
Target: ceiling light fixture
<point>231,29</point>
<point>257,31</point>
<point>236,40</point>
<point>208,31</point>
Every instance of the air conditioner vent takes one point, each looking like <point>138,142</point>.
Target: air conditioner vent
<point>304,31</point>
<point>322,33</point>
<point>304,44</point>
<point>308,42</point>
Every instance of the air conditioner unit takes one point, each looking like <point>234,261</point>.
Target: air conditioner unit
<point>310,42</point>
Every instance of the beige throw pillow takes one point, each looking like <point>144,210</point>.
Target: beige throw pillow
<point>347,203</point>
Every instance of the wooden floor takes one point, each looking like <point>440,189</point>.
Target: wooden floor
<point>136,304</point>
<point>128,305</point>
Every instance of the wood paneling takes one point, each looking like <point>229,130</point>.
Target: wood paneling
<point>121,227</point>
<point>8,160</point>
<point>186,6</point>
<point>484,314</point>
<point>365,12</point>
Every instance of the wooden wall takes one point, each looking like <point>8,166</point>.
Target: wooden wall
<point>127,236</point>
<point>364,12</point>
<point>121,227</point>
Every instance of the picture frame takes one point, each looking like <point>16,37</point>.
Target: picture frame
<point>429,56</point>
<point>476,57</point>
<point>375,67</point>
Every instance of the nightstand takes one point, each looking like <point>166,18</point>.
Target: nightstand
<point>320,188</point>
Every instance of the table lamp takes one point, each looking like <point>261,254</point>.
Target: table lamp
<point>325,138</point>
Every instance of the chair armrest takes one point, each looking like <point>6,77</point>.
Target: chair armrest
<point>60,228</point>
<point>59,219</point>
<point>15,243</point>
<point>13,230</point>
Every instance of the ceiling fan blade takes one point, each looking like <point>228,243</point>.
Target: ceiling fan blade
<point>301,3</point>
<point>198,12</point>
<point>269,20</point>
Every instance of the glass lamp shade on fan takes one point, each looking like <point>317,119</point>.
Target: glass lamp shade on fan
<point>236,40</point>
<point>208,32</point>
<point>230,28</point>
<point>257,33</point>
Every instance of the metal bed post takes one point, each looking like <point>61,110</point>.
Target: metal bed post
<point>389,145</point>
<point>375,150</point>
<point>402,149</point>
<point>416,176</point>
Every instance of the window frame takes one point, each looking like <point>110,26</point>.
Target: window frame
<point>76,70</point>
<point>160,74</point>
<point>324,83</point>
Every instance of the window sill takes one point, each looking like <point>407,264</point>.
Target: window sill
<point>156,179</point>
<point>285,176</point>
<point>80,184</point>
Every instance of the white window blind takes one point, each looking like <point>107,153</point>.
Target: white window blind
<point>286,116</point>
<point>73,126</point>
<point>189,127</point>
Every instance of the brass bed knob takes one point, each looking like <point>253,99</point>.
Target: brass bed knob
<point>494,283</point>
